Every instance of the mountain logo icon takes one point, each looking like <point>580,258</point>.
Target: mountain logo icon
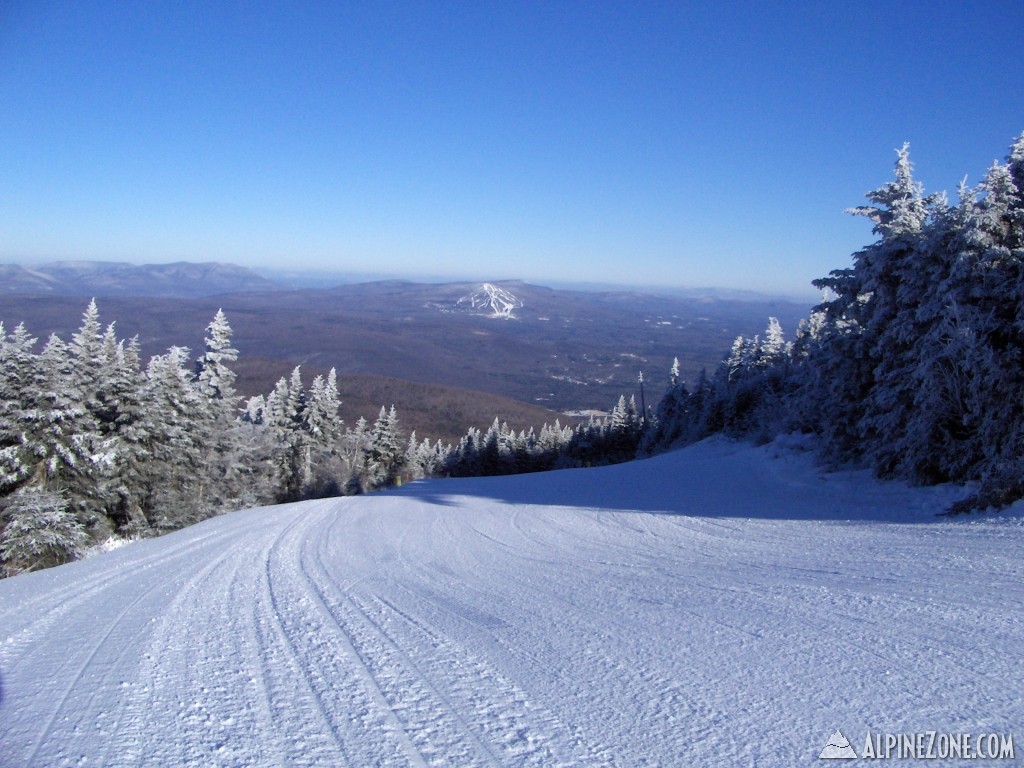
<point>838,748</point>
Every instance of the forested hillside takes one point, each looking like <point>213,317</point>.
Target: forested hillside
<point>914,363</point>
<point>94,445</point>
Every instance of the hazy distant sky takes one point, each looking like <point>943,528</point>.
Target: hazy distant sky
<point>675,143</point>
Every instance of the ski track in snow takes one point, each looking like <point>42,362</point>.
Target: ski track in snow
<point>722,605</point>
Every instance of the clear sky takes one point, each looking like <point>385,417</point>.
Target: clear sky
<point>675,143</point>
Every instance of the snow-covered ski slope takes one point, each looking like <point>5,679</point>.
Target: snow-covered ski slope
<point>720,606</point>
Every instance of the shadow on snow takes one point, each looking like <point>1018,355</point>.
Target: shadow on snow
<point>716,478</point>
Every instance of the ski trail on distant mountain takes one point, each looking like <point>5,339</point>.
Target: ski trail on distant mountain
<point>498,301</point>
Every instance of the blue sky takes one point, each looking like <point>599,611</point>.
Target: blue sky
<point>678,143</point>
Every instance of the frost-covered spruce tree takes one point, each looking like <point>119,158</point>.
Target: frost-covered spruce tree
<point>804,404</point>
<point>703,409</point>
<point>227,462</point>
<point>493,457</point>
<point>771,384</point>
<point>282,418</point>
<point>914,362</point>
<point>941,359</point>
<point>463,459</point>
<point>905,396</point>
<point>774,349</point>
<point>385,454</point>
<point>309,455</point>
<point>322,431</point>
<point>986,291</point>
<point>615,442</point>
<point>50,437</point>
<point>670,416</point>
<point>526,451</point>
<point>413,467</point>
<point>947,389</point>
<point>213,372</point>
<point>176,477</point>
<point>423,459</point>
<point>353,448</point>
<point>864,300</point>
<point>19,377</point>
<point>1003,430</point>
<point>58,444</point>
<point>320,415</point>
<point>620,416</point>
<point>38,530</point>
<point>255,409</point>
<point>126,429</point>
<point>260,485</point>
<point>746,394</point>
<point>550,442</point>
<point>88,366</point>
<point>86,348</point>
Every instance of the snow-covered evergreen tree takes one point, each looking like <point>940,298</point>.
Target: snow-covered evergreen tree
<point>58,443</point>
<point>176,476</point>
<point>385,452</point>
<point>126,429</point>
<point>227,461</point>
<point>320,415</point>
<point>670,417</point>
<point>353,449</point>
<point>38,530</point>
<point>321,431</point>
<point>255,409</point>
<point>213,371</point>
<point>283,417</point>
<point>19,380</point>
<point>86,349</point>
<point>774,349</point>
<point>865,300</point>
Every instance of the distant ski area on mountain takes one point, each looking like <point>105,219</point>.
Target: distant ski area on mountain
<point>566,351</point>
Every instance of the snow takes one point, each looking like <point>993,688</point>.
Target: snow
<point>494,299</point>
<point>720,605</point>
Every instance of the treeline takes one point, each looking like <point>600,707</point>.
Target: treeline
<point>913,364</point>
<point>94,445</point>
<point>503,451</point>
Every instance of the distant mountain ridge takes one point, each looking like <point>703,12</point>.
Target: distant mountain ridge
<point>559,349</point>
<point>178,280</point>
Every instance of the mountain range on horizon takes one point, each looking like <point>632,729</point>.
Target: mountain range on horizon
<point>181,279</point>
<point>191,279</point>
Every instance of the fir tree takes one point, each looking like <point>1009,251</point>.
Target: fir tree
<point>175,470</point>
<point>213,372</point>
<point>385,454</point>
<point>38,531</point>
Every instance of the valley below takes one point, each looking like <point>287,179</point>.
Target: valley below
<point>438,351</point>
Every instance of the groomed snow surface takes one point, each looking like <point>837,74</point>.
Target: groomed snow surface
<point>723,605</point>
